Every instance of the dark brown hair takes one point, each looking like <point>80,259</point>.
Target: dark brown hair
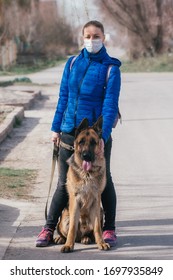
<point>95,23</point>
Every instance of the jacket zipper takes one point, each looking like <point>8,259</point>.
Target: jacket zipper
<point>79,87</point>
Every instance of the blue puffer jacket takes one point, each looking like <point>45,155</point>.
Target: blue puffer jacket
<point>84,92</point>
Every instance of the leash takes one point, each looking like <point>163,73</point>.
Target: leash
<point>54,160</point>
<point>66,146</point>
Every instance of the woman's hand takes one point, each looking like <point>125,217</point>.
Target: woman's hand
<point>55,138</point>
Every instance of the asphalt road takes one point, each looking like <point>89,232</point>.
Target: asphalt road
<point>142,163</point>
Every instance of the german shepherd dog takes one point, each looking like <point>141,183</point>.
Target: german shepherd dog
<point>86,180</point>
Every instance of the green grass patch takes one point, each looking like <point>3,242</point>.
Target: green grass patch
<point>162,63</point>
<point>23,80</point>
<point>17,183</point>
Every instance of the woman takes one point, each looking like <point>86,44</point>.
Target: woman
<point>85,91</point>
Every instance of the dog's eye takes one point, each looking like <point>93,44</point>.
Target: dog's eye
<point>93,142</point>
<point>82,142</point>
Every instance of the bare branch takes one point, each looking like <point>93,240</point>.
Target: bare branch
<point>149,22</point>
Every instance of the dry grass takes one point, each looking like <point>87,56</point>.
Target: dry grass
<point>17,183</point>
<point>162,63</point>
<point>4,111</point>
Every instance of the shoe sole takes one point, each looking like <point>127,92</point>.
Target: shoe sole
<point>42,244</point>
<point>111,243</point>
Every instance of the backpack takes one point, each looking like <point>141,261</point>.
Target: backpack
<point>118,117</point>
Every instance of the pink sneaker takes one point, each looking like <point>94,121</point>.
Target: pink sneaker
<point>45,237</point>
<point>110,237</point>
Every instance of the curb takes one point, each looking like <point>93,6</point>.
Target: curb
<point>28,102</point>
<point>7,125</point>
<point>17,115</point>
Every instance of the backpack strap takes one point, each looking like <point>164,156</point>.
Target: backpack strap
<point>118,117</point>
<point>108,72</point>
<point>72,62</point>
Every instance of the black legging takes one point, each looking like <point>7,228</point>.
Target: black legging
<point>60,197</point>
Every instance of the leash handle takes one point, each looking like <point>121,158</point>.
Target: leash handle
<point>54,160</point>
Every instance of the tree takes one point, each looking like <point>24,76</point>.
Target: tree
<point>11,14</point>
<point>148,23</point>
<point>52,37</point>
<point>34,33</point>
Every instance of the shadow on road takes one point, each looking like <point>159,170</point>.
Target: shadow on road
<point>129,246</point>
<point>8,215</point>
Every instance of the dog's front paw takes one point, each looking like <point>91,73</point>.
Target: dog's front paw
<point>67,249</point>
<point>104,246</point>
<point>86,240</point>
<point>59,240</point>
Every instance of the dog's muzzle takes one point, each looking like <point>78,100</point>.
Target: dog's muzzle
<point>86,156</point>
<point>87,159</point>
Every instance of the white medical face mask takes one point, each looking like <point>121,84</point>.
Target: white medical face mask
<point>93,46</point>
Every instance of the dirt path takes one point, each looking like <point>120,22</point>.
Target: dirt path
<point>29,146</point>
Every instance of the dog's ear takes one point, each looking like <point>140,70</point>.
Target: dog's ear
<point>83,125</point>
<point>98,126</point>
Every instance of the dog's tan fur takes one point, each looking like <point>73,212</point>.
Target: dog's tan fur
<point>82,220</point>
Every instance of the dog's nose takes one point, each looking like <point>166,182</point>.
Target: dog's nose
<point>86,156</point>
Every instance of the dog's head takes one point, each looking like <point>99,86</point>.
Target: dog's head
<point>88,143</point>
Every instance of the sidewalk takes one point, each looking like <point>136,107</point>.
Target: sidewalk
<point>15,99</point>
<point>141,168</point>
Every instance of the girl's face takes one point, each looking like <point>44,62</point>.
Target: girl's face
<point>93,39</point>
<point>93,33</point>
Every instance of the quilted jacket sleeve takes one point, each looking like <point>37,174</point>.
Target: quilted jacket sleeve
<point>63,98</point>
<point>110,104</point>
